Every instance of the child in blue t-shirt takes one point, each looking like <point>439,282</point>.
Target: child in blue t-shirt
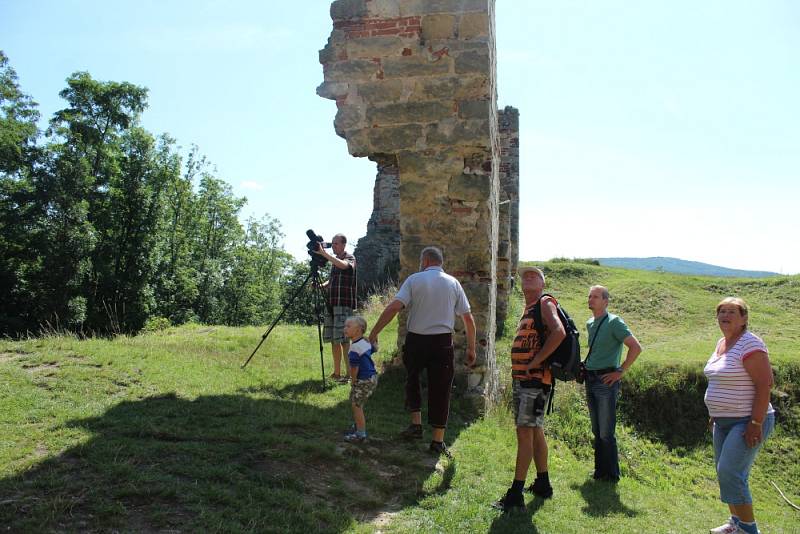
<point>363,377</point>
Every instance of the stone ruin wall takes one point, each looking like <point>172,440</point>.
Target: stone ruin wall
<point>508,246</point>
<point>378,252</point>
<point>414,84</point>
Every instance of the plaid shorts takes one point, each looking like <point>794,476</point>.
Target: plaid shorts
<point>362,389</point>
<point>333,331</point>
<point>529,404</point>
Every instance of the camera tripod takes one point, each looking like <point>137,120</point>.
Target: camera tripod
<point>319,299</point>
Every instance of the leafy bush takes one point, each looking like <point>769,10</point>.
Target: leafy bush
<point>156,324</point>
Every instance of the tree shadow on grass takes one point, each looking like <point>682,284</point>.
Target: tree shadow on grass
<point>603,499</point>
<point>262,460</point>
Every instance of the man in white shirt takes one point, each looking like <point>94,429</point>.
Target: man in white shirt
<point>433,299</point>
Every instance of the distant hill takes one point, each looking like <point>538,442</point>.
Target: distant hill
<point>675,265</point>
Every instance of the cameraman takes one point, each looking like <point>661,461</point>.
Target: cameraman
<point>341,288</point>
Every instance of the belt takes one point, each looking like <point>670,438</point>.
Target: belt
<point>600,372</point>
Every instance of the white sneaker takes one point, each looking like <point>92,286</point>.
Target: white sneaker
<point>728,528</point>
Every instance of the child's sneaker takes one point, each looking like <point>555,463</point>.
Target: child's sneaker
<point>511,501</point>
<point>355,437</point>
<point>729,527</point>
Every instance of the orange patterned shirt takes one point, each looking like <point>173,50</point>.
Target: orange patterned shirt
<point>525,346</point>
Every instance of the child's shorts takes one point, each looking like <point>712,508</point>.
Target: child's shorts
<point>362,389</point>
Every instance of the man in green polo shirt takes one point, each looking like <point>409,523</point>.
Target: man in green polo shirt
<point>607,334</point>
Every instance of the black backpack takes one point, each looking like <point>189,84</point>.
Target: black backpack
<point>565,361</point>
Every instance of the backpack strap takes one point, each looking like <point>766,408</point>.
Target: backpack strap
<point>537,314</point>
<point>538,325</point>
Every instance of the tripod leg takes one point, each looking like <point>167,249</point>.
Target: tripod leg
<point>317,290</point>
<point>278,318</point>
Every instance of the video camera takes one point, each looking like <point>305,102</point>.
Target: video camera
<point>316,241</point>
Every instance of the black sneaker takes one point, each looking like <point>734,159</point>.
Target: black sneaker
<point>412,432</point>
<point>541,489</point>
<point>438,447</point>
<point>510,502</point>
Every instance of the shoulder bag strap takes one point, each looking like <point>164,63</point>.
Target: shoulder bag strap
<point>595,338</point>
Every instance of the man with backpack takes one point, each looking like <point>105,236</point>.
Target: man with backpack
<point>531,385</point>
<point>607,334</point>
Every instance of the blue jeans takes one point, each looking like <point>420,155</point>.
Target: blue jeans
<point>602,401</point>
<point>733,458</point>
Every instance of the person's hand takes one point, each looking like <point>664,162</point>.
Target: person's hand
<point>320,250</point>
<point>373,340</point>
<point>752,435</point>
<point>610,378</point>
<point>471,357</point>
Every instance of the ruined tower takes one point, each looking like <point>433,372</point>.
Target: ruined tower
<point>414,84</point>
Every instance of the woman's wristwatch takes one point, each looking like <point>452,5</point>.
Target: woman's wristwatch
<point>754,422</point>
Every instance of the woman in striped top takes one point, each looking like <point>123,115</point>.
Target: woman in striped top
<point>739,382</point>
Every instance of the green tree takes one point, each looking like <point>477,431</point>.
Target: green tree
<point>217,232</point>
<point>251,292</point>
<point>18,157</point>
<point>86,165</point>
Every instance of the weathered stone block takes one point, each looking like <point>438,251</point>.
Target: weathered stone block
<point>438,27</point>
<point>347,118</point>
<point>453,6</point>
<point>348,9</point>
<point>407,66</point>
<point>358,143</point>
<point>470,187</point>
<point>351,70</point>
<point>430,163</point>
<point>380,91</point>
<point>328,54</point>
<point>372,47</point>
<point>395,138</point>
<point>473,25</point>
<point>470,133</point>
<point>474,109</point>
<point>420,112</point>
<point>472,61</point>
<point>384,9</point>
<point>333,90</point>
<point>451,87</point>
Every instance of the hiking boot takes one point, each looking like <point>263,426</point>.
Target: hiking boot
<point>510,502</point>
<point>541,489</point>
<point>438,447</point>
<point>355,437</point>
<point>729,527</point>
<point>412,432</point>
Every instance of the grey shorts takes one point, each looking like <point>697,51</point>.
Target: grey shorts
<point>333,331</point>
<point>529,404</point>
<point>362,389</point>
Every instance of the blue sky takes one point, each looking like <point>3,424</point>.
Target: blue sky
<point>647,128</point>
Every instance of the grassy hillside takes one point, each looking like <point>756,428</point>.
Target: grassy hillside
<point>675,265</point>
<point>165,432</point>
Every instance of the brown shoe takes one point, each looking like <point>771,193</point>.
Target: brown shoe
<point>412,432</point>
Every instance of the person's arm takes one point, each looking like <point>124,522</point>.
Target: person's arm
<point>336,262</point>
<point>555,336</point>
<point>469,326</point>
<point>387,315</point>
<point>757,366</point>
<point>634,349</point>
